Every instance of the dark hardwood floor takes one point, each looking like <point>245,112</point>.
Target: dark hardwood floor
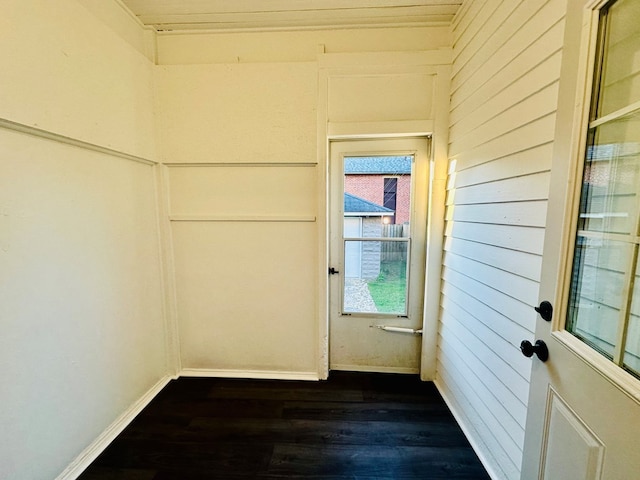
<point>360,426</point>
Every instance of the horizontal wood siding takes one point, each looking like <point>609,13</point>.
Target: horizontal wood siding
<point>503,101</point>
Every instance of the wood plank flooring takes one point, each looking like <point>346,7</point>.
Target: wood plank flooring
<point>356,426</point>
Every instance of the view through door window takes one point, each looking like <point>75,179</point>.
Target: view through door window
<point>604,303</point>
<point>376,234</point>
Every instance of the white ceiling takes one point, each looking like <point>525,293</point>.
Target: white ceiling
<point>289,14</point>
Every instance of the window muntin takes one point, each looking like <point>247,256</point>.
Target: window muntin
<point>596,302</point>
<point>604,300</point>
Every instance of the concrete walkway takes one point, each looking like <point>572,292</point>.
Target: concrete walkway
<point>357,297</point>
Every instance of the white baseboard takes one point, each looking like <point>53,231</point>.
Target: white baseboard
<point>471,433</point>
<point>257,374</point>
<point>361,368</point>
<point>90,453</point>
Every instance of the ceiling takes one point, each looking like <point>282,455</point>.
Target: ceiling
<point>166,15</point>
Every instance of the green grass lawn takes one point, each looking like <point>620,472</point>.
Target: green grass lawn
<point>389,289</point>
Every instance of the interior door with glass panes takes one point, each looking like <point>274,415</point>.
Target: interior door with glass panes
<point>378,207</point>
<point>584,407</point>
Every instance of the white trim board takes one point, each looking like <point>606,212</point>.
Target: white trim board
<point>89,454</point>
<point>244,218</point>
<point>56,137</point>
<point>374,369</point>
<point>256,374</point>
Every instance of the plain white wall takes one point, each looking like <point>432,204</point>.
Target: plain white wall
<point>80,276</point>
<point>242,141</point>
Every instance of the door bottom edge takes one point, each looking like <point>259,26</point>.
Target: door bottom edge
<point>374,369</point>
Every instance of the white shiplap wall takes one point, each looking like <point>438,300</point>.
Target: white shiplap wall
<point>503,99</point>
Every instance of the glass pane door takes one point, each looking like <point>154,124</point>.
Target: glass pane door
<point>376,234</point>
<point>378,220</point>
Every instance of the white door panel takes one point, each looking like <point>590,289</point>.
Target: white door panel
<point>583,418</point>
<point>571,449</point>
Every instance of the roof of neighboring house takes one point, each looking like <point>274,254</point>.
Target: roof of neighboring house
<point>360,205</point>
<point>377,165</point>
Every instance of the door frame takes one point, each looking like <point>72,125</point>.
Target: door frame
<point>413,318</point>
<point>434,123</point>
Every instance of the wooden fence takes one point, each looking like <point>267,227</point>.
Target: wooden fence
<point>394,251</point>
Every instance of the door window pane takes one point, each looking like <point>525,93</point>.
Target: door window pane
<point>380,285</point>
<point>376,233</point>
<point>620,81</point>
<point>596,291</point>
<point>604,299</point>
<point>609,200</point>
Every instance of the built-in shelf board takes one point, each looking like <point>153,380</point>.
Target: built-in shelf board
<point>240,164</point>
<point>244,218</point>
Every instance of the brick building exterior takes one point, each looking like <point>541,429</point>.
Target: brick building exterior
<point>385,181</point>
<point>371,188</point>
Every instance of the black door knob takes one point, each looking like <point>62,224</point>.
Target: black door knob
<point>333,271</point>
<point>540,349</point>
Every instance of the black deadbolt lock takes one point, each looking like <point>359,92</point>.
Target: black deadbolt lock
<point>545,310</point>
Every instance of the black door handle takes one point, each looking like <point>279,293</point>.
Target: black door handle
<point>333,271</point>
<point>540,349</point>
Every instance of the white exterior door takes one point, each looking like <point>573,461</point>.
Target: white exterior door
<point>584,406</point>
<point>376,267</point>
